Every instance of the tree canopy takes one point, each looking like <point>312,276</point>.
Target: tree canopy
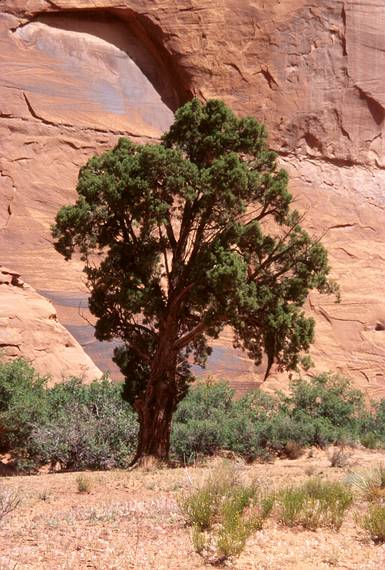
<point>185,237</point>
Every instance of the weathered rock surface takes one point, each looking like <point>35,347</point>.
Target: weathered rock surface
<point>29,327</point>
<point>74,77</point>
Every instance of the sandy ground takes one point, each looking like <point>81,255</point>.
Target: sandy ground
<point>130,520</point>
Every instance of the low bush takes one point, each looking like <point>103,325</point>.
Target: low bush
<point>223,512</point>
<point>89,427</point>
<point>370,485</point>
<point>370,440</point>
<point>339,458</point>
<point>23,403</point>
<point>374,522</point>
<point>84,484</point>
<point>75,426</point>
<point>314,504</point>
<point>320,411</point>
<point>71,425</point>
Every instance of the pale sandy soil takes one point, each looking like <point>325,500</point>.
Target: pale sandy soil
<point>131,521</point>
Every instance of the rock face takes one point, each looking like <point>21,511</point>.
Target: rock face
<point>74,79</point>
<point>29,328</point>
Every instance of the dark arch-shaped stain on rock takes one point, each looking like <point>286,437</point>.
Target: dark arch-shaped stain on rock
<point>100,69</point>
<point>141,41</point>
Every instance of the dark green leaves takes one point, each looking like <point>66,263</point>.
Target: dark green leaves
<point>182,238</point>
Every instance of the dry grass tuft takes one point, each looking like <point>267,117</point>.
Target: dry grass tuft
<point>84,484</point>
<point>223,513</point>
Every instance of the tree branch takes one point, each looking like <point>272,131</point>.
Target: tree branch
<point>189,337</point>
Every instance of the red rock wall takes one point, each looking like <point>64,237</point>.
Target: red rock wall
<point>29,327</point>
<point>72,80</point>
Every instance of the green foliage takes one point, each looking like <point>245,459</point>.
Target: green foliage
<point>73,425</point>
<point>317,411</point>
<point>374,522</point>
<point>200,421</point>
<point>291,501</point>
<point>89,427</point>
<point>314,504</point>
<point>22,403</point>
<point>326,396</point>
<point>370,440</point>
<point>77,426</point>
<point>223,512</point>
<point>197,233</point>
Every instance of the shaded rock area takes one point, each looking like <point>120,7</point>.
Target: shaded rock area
<point>73,79</point>
<point>29,327</point>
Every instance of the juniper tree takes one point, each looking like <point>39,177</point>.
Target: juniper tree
<point>183,238</point>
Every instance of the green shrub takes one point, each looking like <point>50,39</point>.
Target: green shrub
<point>319,411</point>
<point>370,440</point>
<point>22,403</point>
<point>326,396</point>
<point>204,400</point>
<point>374,522</point>
<point>242,436</point>
<point>314,504</point>
<point>291,501</point>
<point>89,427</point>
<point>223,513</point>
<point>197,437</point>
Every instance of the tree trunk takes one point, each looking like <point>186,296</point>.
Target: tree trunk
<point>156,407</point>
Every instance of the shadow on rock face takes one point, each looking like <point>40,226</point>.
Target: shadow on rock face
<point>94,69</point>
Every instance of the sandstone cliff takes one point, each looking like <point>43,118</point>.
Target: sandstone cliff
<point>76,74</point>
<point>29,328</point>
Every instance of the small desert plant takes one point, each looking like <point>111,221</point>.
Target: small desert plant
<point>43,495</point>
<point>314,504</point>
<point>374,522</point>
<point>339,458</point>
<point>291,501</point>
<point>83,484</point>
<point>293,450</point>
<point>370,485</point>
<point>223,513</point>
<point>9,501</point>
<point>370,440</point>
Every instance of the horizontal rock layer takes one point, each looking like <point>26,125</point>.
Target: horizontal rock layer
<point>73,79</point>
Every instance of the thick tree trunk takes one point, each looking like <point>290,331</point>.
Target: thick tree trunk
<point>156,407</point>
<point>155,420</point>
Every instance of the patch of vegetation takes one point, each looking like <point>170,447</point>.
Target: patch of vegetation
<point>370,485</point>
<point>318,411</point>
<point>371,440</point>
<point>314,504</point>
<point>223,512</point>
<point>84,484</point>
<point>9,501</point>
<point>23,403</point>
<point>374,522</point>
<point>89,427</point>
<point>339,458</point>
<point>78,426</point>
<point>71,425</point>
